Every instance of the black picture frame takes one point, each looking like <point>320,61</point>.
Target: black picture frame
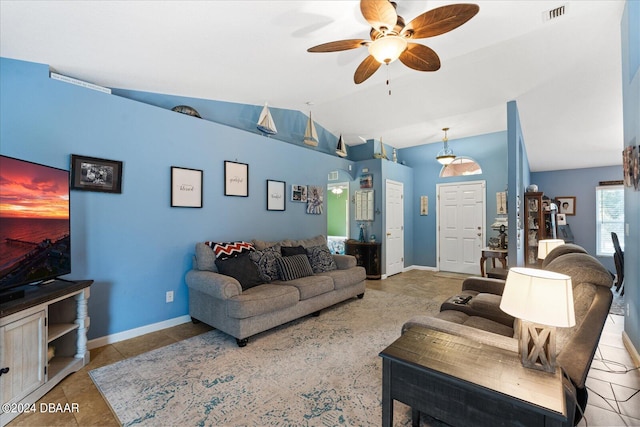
<point>95,174</point>
<point>186,187</point>
<point>276,195</point>
<point>236,179</point>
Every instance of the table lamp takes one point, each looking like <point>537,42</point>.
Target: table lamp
<point>542,300</point>
<point>547,245</point>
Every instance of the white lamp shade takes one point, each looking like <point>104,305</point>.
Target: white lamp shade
<point>387,49</point>
<point>547,245</point>
<point>539,296</point>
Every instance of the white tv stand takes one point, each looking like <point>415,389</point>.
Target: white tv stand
<point>52,315</point>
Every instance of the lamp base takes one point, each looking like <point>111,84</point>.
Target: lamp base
<point>538,346</point>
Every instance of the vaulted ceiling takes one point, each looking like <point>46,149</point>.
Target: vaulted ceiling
<point>564,73</point>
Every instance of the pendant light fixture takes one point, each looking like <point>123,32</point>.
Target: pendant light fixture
<point>445,156</point>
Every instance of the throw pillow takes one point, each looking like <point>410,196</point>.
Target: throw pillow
<point>230,249</point>
<point>293,250</point>
<point>266,262</point>
<point>242,269</point>
<point>294,267</point>
<point>321,259</point>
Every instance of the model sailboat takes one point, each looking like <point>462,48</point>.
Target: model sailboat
<point>310,134</point>
<point>341,148</point>
<point>265,122</point>
<point>383,153</point>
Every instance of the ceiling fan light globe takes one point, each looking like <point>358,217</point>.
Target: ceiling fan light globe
<point>445,159</point>
<point>387,49</point>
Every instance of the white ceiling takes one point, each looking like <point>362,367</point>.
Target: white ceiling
<point>565,73</point>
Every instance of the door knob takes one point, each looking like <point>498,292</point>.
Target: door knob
<point>479,234</point>
<point>4,370</point>
<point>388,234</point>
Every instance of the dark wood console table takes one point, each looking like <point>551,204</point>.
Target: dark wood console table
<point>463,382</point>
<point>367,255</point>
<point>500,254</point>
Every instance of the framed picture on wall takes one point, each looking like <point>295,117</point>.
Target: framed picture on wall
<point>236,179</point>
<point>299,193</point>
<point>186,187</point>
<point>93,174</point>
<point>275,195</point>
<point>566,205</point>
<point>315,199</point>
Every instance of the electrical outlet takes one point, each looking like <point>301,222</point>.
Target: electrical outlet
<point>169,296</point>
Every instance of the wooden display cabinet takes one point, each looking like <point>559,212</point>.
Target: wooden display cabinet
<point>49,316</point>
<point>534,227</point>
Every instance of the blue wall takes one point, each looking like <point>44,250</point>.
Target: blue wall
<point>134,245</point>
<point>582,184</point>
<point>630,33</point>
<point>489,150</point>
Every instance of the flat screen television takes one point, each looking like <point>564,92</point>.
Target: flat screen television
<point>35,241</point>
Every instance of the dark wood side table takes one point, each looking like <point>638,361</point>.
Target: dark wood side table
<point>500,254</point>
<point>367,255</point>
<point>463,382</point>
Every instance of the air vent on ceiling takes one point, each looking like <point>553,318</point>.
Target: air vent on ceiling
<point>554,13</point>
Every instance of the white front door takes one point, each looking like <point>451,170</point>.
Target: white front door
<point>394,226</point>
<point>461,219</point>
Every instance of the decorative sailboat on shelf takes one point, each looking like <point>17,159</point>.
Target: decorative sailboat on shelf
<point>383,153</point>
<point>310,134</point>
<point>265,122</point>
<point>341,148</point>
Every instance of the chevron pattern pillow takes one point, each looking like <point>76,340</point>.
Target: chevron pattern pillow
<point>230,249</point>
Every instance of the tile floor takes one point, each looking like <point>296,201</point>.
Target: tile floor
<point>618,405</point>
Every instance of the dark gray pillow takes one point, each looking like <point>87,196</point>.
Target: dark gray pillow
<point>293,250</point>
<point>294,267</point>
<point>321,259</point>
<point>242,269</point>
<point>265,259</point>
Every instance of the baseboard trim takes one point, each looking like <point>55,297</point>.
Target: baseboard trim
<point>633,352</point>
<point>420,267</point>
<point>136,332</point>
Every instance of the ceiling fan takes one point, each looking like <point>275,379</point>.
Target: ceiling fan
<point>390,35</point>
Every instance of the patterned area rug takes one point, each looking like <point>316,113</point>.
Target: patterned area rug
<point>315,371</point>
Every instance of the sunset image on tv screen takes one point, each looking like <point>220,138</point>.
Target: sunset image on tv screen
<point>34,221</point>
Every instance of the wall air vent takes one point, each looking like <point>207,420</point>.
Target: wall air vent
<point>554,13</point>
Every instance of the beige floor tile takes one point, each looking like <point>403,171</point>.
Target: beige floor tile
<point>596,417</point>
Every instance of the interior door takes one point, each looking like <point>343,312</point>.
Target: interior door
<point>394,225</point>
<point>461,222</point>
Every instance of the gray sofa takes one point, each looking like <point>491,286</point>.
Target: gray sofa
<point>219,300</point>
<point>482,320</point>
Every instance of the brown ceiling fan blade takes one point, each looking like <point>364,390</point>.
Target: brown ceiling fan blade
<point>338,45</point>
<point>366,69</point>
<point>440,20</point>
<point>420,57</point>
<point>379,13</point>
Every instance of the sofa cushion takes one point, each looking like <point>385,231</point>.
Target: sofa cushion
<point>261,244</point>
<point>262,299</point>
<point>310,286</point>
<point>293,250</point>
<point>321,259</point>
<point>475,322</point>
<point>582,268</point>
<point>242,269</point>
<point>230,249</point>
<point>293,267</point>
<point>205,258</point>
<point>307,243</point>
<point>265,259</point>
<point>345,278</point>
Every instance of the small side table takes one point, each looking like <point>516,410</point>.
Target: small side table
<point>463,382</point>
<point>500,254</point>
<point>367,255</point>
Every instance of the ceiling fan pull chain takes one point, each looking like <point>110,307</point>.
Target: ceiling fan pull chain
<point>388,79</point>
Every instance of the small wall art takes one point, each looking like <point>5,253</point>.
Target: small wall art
<point>275,195</point>
<point>93,174</point>
<point>366,180</point>
<point>186,187</point>
<point>236,179</point>
<point>566,205</point>
<point>315,199</point>
<point>299,193</point>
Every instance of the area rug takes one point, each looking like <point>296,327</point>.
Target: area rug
<point>315,371</point>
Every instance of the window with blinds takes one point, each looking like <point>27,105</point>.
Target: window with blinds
<point>609,217</point>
